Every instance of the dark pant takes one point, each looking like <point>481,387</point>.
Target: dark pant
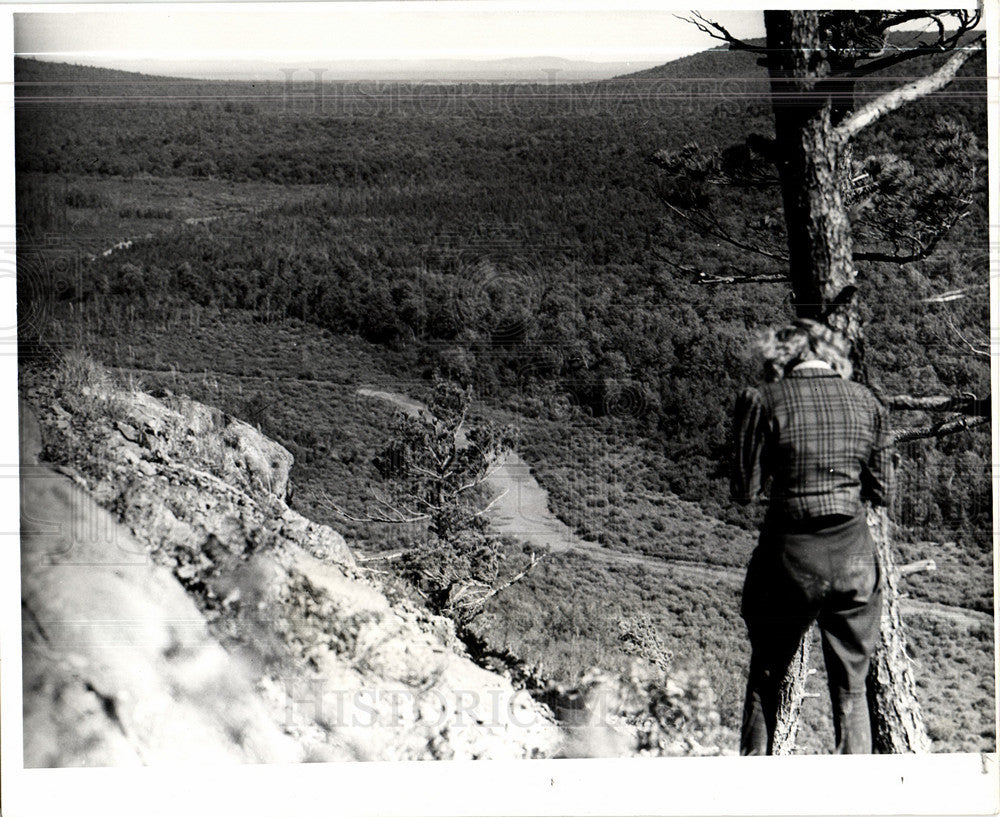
<point>798,574</point>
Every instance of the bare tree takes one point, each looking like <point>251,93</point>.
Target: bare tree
<point>815,62</point>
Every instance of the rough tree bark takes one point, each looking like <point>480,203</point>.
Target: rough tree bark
<point>897,726</point>
<point>812,166</point>
<point>808,162</point>
<point>790,697</point>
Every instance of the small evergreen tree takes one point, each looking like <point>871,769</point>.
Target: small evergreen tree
<point>434,467</point>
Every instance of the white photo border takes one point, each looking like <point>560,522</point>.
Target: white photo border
<point>797,785</point>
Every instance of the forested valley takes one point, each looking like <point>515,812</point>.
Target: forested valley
<point>269,247</point>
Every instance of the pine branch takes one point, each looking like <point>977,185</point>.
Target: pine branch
<point>904,17</point>
<point>923,248</point>
<point>902,55</point>
<point>729,168</point>
<point>713,228</point>
<point>891,101</point>
<point>967,21</point>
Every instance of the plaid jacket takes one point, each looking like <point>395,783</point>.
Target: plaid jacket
<point>822,441</point>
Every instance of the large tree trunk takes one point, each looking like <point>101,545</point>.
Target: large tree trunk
<point>812,167</point>
<point>809,163</point>
<point>790,697</point>
<point>897,725</point>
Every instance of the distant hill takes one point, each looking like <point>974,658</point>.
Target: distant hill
<point>42,78</point>
<point>29,71</point>
<point>717,62</point>
<point>721,62</point>
<point>515,69</point>
<point>229,79</point>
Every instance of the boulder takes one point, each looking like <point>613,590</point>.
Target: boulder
<point>267,462</point>
<point>319,540</point>
<point>119,667</point>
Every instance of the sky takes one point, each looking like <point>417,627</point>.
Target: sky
<point>372,31</point>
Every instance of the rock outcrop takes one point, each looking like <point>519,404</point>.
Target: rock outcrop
<point>176,609</point>
<point>119,665</point>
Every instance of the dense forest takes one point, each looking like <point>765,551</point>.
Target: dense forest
<point>510,236</point>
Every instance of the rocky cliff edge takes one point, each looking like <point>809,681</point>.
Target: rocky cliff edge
<point>177,610</point>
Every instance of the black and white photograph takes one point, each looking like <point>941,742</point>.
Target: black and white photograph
<point>592,398</point>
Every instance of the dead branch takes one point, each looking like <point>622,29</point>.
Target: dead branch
<point>535,559</point>
<point>686,270</point>
<point>952,294</point>
<point>718,32</point>
<point>921,566</point>
<point>380,557</point>
<point>397,508</point>
<point>981,346</point>
<point>425,472</point>
<point>759,278</point>
<point>967,21</point>
<point>891,101</point>
<point>965,403</point>
<point>734,278</point>
<point>942,428</point>
<point>392,514</point>
<point>485,510</point>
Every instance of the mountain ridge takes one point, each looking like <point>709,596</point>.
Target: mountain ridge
<point>517,70</point>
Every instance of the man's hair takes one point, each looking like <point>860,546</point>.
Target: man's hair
<point>803,339</point>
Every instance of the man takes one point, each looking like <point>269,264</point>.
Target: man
<point>822,444</point>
